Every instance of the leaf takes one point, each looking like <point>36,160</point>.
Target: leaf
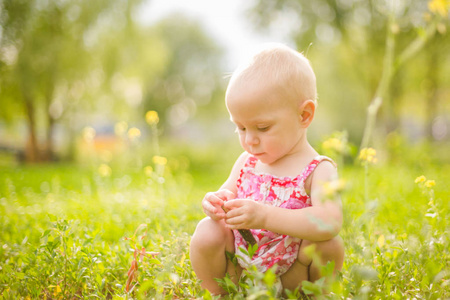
<point>154,261</point>
<point>52,218</point>
<point>81,273</point>
<point>131,275</point>
<point>328,269</point>
<point>243,250</point>
<point>380,241</point>
<point>182,259</point>
<point>269,278</point>
<point>229,284</point>
<point>45,233</point>
<point>364,273</point>
<point>311,288</point>
<point>207,295</point>
<point>252,249</point>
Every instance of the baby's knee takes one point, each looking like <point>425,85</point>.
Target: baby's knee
<point>211,235</point>
<point>329,250</point>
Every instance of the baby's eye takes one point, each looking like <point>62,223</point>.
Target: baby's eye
<point>264,128</point>
<point>240,129</point>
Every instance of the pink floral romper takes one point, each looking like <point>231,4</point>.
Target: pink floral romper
<point>273,248</point>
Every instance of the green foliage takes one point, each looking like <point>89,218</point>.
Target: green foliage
<point>346,40</point>
<point>63,59</point>
<point>63,231</point>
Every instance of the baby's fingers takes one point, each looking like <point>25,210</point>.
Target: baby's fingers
<point>212,211</point>
<point>237,222</point>
<point>214,199</point>
<point>229,205</point>
<point>225,194</point>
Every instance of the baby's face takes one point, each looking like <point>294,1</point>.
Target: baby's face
<point>269,126</point>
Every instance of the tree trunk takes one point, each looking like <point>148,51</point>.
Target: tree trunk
<point>49,151</point>
<point>431,92</point>
<point>31,147</point>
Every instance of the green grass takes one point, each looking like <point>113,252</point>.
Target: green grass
<point>63,230</point>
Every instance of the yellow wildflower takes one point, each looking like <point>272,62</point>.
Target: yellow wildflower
<point>372,159</point>
<point>333,144</point>
<point>430,183</point>
<point>57,290</point>
<point>134,133</point>
<point>371,152</point>
<point>159,160</point>
<point>368,155</point>
<point>420,179</point>
<point>104,170</point>
<point>148,171</point>
<point>439,7</point>
<point>333,187</point>
<point>152,117</point>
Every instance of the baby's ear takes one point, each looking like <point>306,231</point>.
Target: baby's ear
<point>306,112</point>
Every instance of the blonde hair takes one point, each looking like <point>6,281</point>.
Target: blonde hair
<point>282,66</point>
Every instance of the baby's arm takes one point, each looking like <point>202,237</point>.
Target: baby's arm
<point>321,221</point>
<point>213,201</point>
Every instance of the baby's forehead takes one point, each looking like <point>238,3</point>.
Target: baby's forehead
<point>283,67</point>
<point>254,94</point>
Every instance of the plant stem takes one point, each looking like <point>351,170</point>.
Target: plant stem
<point>390,67</point>
<point>366,182</point>
<point>156,150</point>
<point>383,85</point>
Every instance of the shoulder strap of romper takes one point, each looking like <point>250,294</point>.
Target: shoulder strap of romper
<point>309,169</point>
<point>250,162</point>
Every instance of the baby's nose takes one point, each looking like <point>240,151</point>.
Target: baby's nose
<point>251,139</point>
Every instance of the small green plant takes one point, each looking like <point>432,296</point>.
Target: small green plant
<point>367,157</point>
<point>254,284</point>
<point>139,253</point>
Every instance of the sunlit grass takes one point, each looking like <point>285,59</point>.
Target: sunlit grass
<point>63,230</point>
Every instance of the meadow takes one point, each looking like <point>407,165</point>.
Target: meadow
<point>122,230</point>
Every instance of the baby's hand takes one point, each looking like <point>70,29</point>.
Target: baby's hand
<point>213,202</point>
<point>245,214</point>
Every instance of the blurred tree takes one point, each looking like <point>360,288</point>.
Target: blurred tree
<point>353,34</point>
<point>126,58</point>
<point>45,58</point>
<point>79,63</point>
<point>193,76</point>
<point>172,67</point>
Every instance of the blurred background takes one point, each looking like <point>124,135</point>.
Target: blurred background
<point>77,77</point>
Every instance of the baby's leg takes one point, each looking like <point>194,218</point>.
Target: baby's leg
<point>305,269</point>
<point>208,245</point>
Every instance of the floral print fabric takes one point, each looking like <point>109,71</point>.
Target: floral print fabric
<point>286,192</point>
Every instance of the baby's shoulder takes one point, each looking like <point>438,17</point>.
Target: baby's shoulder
<point>242,159</point>
<point>239,164</point>
<point>325,171</point>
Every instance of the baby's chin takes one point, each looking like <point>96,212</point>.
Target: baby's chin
<point>265,158</point>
